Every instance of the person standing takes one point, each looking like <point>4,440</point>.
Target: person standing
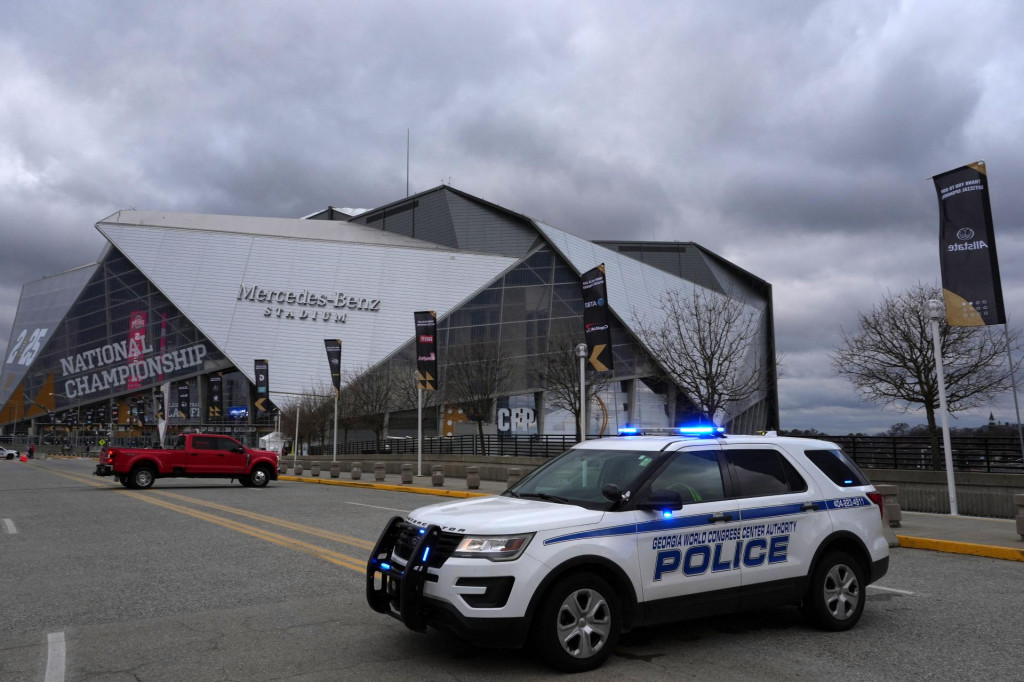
<point>31,451</point>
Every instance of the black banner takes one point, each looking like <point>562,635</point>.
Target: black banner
<point>262,403</point>
<point>215,407</point>
<point>426,350</point>
<point>967,248</point>
<point>596,331</point>
<point>183,400</point>
<point>333,347</point>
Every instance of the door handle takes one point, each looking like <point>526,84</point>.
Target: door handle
<point>720,517</point>
<point>809,506</point>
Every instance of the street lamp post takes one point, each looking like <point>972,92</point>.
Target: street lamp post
<point>581,353</point>
<point>936,311</point>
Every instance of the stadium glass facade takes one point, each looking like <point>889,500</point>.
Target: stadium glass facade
<point>126,348</point>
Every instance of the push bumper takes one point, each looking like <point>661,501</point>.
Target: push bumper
<point>397,591</point>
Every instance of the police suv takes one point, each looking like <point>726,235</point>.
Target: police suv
<point>624,532</point>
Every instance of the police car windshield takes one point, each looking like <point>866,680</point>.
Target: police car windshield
<point>578,476</point>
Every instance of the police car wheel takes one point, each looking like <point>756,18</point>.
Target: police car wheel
<point>578,624</point>
<point>835,596</point>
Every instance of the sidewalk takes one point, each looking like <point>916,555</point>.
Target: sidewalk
<point>994,538</point>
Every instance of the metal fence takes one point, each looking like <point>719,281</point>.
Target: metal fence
<point>970,453</point>
<point>519,446</point>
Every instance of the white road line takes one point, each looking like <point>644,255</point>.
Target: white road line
<point>889,589</point>
<point>360,504</point>
<point>9,526</point>
<point>55,657</point>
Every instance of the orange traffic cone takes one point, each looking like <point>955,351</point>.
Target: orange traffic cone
<point>24,458</point>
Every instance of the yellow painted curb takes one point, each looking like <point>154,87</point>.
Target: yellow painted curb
<point>961,548</point>
<point>385,486</point>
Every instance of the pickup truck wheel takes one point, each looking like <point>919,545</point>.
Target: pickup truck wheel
<point>578,623</point>
<point>141,478</point>
<point>259,477</point>
<point>123,480</point>
<point>244,480</point>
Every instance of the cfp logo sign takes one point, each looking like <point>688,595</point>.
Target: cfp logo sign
<point>516,419</point>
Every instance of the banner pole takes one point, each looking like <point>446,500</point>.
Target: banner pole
<point>419,431</point>
<point>935,311</point>
<point>295,445</point>
<point>334,447</point>
<point>1013,382</point>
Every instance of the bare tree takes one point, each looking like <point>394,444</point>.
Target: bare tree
<point>561,368</point>
<point>704,343</point>
<point>369,398</point>
<point>473,376</point>
<point>315,410</point>
<point>890,358</point>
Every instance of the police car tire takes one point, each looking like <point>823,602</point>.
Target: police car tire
<point>578,601</point>
<point>835,595</point>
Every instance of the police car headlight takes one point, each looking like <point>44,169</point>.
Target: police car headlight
<point>493,547</point>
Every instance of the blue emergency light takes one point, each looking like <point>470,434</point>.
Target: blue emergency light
<point>628,431</point>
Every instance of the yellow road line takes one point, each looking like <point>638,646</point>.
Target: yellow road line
<point>404,488</point>
<point>358,565</point>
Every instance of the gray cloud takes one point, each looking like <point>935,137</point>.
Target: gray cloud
<point>794,139</point>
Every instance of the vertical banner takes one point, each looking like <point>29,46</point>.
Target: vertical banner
<point>262,403</point>
<point>333,347</point>
<point>158,408</point>
<point>595,320</point>
<point>183,400</point>
<point>215,406</point>
<point>426,350</point>
<point>136,346</point>
<point>971,288</point>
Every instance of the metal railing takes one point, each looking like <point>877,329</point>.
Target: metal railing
<point>970,453</point>
<point>490,444</point>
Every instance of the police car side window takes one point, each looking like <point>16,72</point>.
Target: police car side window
<point>694,474</point>
<point>763,472</point>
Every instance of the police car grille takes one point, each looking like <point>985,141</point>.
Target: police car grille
<point>409,536</point>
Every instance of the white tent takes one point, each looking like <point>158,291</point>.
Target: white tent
<point>273,441</point>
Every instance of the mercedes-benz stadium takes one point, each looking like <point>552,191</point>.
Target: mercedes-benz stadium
<point>161,333</point>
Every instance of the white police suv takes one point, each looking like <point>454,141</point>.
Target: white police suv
<point>633,531</point>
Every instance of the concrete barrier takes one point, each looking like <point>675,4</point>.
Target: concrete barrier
<point>892,515</point>
<point>298,469</point>
<point>1019,501</point>
<point>514,474</point>
<point>437,474</point>
<point>282,468</point>
<point>335,470</point>
<point>406,473</point>
<point>315,470</point>
<point>379,469</point>
<point>356,471</point>
<point>473,477</point>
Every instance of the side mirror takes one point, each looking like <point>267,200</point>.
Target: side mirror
<point>238,448</point>
<point>611,492</point>
<point>661,500</point>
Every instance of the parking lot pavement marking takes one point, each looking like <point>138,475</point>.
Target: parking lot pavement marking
<point>9,527</point>
<point>373,506</point>
<point>889,589</point>
<point>290,525</point>
<point>358,565</point>
<point>55,657</point>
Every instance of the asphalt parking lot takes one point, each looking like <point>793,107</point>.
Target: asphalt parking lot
<point>212,581</point>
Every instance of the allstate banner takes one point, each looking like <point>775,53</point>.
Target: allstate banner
<point>262,371</point>
<point>426,350</point>
<point>596,331</point>
<point>333,347</point>
<point>183,400</point>
<point>967,248</point>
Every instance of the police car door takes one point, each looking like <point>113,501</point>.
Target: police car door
<point>687,563</point>
<point>783,519</point>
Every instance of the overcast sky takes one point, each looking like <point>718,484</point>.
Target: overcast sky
<point>795,139</point>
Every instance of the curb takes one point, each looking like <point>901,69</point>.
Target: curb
<point>952,547</point>
<point>386,486</point>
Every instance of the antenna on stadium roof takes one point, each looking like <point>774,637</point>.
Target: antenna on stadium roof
<point>406,162</point>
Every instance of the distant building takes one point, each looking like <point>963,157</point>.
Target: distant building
<point>177,308</point>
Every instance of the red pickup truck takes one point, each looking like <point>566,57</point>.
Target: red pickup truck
<point>194,455</point>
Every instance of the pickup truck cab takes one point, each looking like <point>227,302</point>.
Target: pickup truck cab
<point>194,455</point>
